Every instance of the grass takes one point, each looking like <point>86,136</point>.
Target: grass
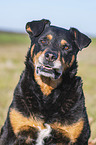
<point>13,49</point>
<point>13,38</point>
<point>87,69</point>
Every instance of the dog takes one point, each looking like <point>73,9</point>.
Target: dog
<point>48,107</point>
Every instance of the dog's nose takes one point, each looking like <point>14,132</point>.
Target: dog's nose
<point>50,56</point>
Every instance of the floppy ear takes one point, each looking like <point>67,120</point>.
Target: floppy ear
<point>35,28</point>
<point>80,39</point>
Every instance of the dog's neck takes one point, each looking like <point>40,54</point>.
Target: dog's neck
<point>46,84</point>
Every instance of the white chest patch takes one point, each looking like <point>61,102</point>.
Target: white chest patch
<point>44,133</point>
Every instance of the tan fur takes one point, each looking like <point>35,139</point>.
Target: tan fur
<point>35,59</point>
<point>75,34</point>
<point>63,42</point>
<point>66,48</point>
<point>49,36</point>
<point>20,122</point>
<point>28,29</point>
<point>63,60</point>
<point>58,56</point>
<point>46,84</point>
<point>65,65</point>
<point>32,48</point>
<point>71,131</point>
<point>73,57</point>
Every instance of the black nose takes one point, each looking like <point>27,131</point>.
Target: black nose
<point>50,56</point>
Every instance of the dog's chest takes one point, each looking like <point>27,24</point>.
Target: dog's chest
<point>43,130</point>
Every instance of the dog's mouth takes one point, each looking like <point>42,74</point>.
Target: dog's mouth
<point>48,71</point>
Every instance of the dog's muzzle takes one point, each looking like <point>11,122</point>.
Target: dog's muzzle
<point>49,66</point>
<point>49,72</point>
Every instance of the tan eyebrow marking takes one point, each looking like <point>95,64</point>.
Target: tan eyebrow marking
<point>63,42</point>
<point>49,37</point>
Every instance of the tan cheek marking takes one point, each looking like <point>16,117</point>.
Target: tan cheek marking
<point>63,42</point>
<point>65,65</point>
<point>58,56</point>
<point>63,60</point>
<point>71,131</point>
<point>32,49</point>
<point>49,37</point>
<point>19,122</point>
<point>73,57</point>
<point>35,58</point>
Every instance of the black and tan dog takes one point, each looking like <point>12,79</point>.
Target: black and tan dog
<point>48,106</point>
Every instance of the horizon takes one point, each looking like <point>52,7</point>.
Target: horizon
<point>24,32</point>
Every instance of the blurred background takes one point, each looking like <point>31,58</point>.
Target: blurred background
<point>14,43</point>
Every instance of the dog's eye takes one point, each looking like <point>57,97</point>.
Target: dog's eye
<point>65,47</point>
<point>44,42</point>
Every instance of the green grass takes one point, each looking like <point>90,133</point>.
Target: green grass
<point>13,38</point>
<point>87,69</point>
<point>13,49</point>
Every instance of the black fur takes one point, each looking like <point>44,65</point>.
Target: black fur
<point>65,104</point>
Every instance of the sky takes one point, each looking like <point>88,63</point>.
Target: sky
<point>81,14</point>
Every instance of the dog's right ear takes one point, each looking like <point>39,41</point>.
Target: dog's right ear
<point>35,28</point>
<point>80,39</point>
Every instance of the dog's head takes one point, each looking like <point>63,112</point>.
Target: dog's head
<point>54,49</point>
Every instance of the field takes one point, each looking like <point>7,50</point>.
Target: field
<point>13,49</point>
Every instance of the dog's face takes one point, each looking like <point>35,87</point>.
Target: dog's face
<point>54,49</point>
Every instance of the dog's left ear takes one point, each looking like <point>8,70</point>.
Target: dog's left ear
<point>35,28</point>
<point>80,39</point>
